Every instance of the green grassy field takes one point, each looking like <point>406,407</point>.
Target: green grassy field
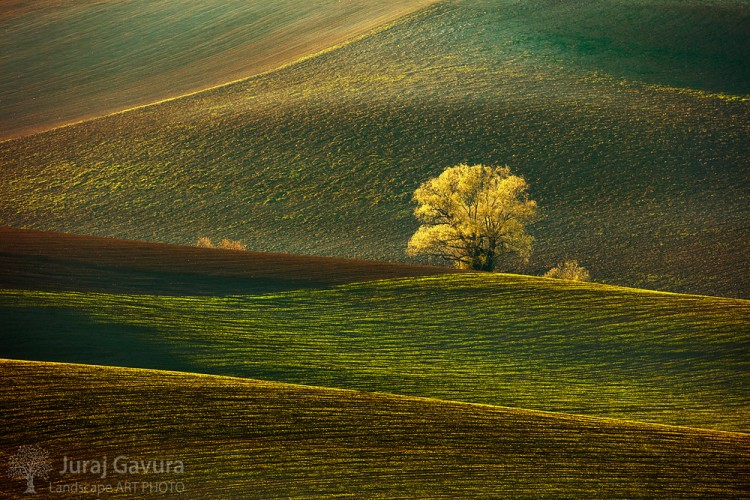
<point>631,126</point>
<point>497,339</point>
<point>254,439</point>
<point>509,344</point>
<point>68,60</point>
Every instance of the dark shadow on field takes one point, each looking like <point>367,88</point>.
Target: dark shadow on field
<point>34,260</point>
<point>53,274</point>
<point>60,334</point>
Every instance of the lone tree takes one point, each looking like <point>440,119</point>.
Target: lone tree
<point>31,461</point>
<point>472,216</point>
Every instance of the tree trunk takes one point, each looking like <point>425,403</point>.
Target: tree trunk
<point>475,257</point>
<point>30,484</point>
<point>490,260</point>
<point>481,259</point>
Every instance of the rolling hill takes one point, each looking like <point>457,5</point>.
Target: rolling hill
<point>496,339</point>
<point>258,439</point>
<point>68,60</point>
<point>36,260</point>
<point>632,128</point>
<point>301,369</point>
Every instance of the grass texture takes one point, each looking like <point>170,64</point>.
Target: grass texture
<point>642,180</point>
<point>503,340</point>
<point>68,60</point>
<point>254,439</point>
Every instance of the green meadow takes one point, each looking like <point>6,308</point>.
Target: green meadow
<point>502,340</point>
<point>631,123</point>
<point>256,439</point>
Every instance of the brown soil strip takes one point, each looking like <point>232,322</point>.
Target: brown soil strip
<point>39,260</point>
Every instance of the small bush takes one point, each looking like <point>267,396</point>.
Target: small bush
<point>204,242</point>
<point>231,245</point>
<point>568,270</point>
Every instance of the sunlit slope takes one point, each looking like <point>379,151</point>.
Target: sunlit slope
<point>258,439</point>
<point>503,340</point>
<point>68,60</point>
<point>645,183</point>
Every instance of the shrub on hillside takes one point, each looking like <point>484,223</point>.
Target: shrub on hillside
<point>568,270</point>
<point>204,242</point>
<point>231,245</point>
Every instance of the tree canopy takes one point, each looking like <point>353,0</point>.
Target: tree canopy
<point>472,216</point>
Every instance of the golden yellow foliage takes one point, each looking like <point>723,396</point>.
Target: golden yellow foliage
<point>231,245</point>
<point>472,215</point>
<point>204,242</point>
<point>225,244</point>
<point>568,270</point>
